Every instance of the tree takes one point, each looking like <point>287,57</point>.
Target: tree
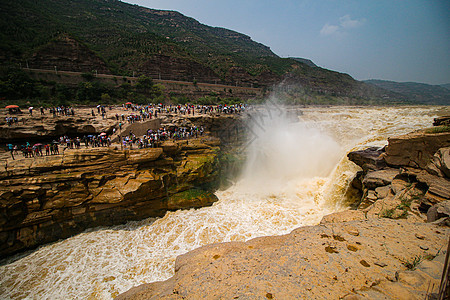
<point>144,84</point>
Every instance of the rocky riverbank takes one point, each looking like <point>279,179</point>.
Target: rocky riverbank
<point>391,245</point>
<point>46,198</point>
<point>52,197</point>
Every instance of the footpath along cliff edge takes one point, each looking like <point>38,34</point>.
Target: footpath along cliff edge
<point>391,245</point>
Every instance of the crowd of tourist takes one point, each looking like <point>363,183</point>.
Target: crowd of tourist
<point>186,109</point>
<point>29,151</point>
<point>11,120</point>
<point>152,138</point>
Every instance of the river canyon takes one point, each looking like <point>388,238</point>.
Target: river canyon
<point>296,172</point>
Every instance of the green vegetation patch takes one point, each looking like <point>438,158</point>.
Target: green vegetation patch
<point>438,129</point>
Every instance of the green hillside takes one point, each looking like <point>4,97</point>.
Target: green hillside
<point>417,93</point>
<point>121,32</point>
<point>123,39</point>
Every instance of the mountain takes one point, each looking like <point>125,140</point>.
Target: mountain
<point>417,93</point>
<point>128,36</point>
<point>113,37</point>
<point>447,86</point>
<point>306,61</point>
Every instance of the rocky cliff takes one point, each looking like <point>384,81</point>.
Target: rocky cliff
<point>65,53</point>
<point>52,197</point>
<point>391,246</point>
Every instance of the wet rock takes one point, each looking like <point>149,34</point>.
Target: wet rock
<point>444,120</point>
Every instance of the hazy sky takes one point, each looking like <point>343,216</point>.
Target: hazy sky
<point>401,40</point>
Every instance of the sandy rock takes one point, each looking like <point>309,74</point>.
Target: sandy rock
<point>343,216</point>
<point>382,191</point>
<point>329,264</point>
<point>398,185</point>
<point>436,185</point>
<point>440,163</point>
<point>371,195</point>
<point>415,149</point>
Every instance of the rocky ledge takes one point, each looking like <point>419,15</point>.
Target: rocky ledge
<point>44,199</point>
<point>392,245</point>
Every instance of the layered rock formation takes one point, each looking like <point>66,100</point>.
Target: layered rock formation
<point>392,247</point>
<point>48,198</point>
<point>411,170</point>
<point>46,127</point>
<point>66,53</point>
<point>177,69</point>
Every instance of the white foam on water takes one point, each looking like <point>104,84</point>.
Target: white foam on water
<point>284,187</point>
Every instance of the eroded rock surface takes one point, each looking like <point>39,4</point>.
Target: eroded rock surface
<point>47,198</point>
<point>328,261</point>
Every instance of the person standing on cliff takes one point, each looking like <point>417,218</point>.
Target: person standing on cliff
<point>11,150</point>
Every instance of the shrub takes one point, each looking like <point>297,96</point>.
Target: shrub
<point>438,129</point>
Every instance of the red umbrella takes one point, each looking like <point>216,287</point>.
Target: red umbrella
<point>12,106</point>
<point>128,103</point>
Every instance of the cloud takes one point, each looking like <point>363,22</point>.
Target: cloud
<point>345,23</point>
<point>328,29</point>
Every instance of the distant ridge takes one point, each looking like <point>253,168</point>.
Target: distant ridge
<point>306,61</point>
<point>417,93</point>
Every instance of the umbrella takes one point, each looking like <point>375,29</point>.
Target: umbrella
<point>103,133</point>
<point>128,103</point>
<point>38,144</point>
<point>12,106</point>
<point>31,107</point>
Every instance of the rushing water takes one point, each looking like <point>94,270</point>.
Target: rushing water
<point>296,173</point>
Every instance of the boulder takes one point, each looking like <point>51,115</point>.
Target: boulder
<point>415,149</point>
<point>374,179</point>
<point>438,211</point>
<point>191,198</point>
<point>444,120</point>
<point>399,184</point>
<point>438,187</point>
<point>440,163</point>
<point>382,191</point>
<point>371,158</point>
